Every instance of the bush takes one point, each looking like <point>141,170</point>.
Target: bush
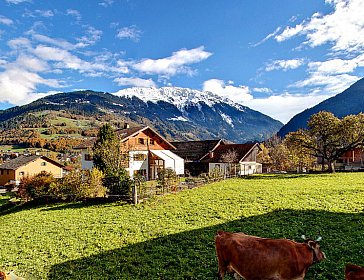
<point>32,187</point>
<point>78,185</point>
<point>119,184</point>
<point>167,178</point>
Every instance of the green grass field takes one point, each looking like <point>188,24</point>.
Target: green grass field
<point>172,237</point>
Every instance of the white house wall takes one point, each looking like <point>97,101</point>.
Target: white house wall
<point>135,165</point>
<point>248,168</point>
<point>86,164</point>
<point>171,160</point>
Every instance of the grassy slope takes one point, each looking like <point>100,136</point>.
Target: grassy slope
<point>172,236</point>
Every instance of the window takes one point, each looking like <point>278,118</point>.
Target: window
<point>139,157</point>
<point>21,173</point>
<point>43,163</point>
<point>141,141</point>
<point>2,172</point>
<point>151,141</point>
<point>88,157</point>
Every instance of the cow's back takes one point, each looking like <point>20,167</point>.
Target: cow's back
<point>354,272</point>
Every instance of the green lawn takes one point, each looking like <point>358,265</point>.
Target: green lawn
<point>172,237</point>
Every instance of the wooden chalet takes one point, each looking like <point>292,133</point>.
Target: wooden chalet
<point>149,152</point>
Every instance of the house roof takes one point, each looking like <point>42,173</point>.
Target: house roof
<point>24,160</point>
<point>126,133</point>
<point>240,151</point>
<point>195,150</point>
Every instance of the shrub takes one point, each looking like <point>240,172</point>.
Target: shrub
<point>78,185</point>
<point>119,184</point>
<point>93,186</point>
<point>36,186</point>
<point>167,178</point>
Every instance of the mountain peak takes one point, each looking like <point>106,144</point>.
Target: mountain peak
<point>179,97</point>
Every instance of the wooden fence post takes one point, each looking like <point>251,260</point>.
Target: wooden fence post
<point>135,194</point>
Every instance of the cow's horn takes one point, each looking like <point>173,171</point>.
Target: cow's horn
<point>319,239</point>
<point>303,237</point>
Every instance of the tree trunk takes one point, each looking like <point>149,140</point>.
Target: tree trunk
<point>323,164</point>
<point>331,166</point>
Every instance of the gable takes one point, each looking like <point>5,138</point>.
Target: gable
<point>144,138</point>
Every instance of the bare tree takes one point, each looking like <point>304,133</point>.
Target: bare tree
<point>230,157</point>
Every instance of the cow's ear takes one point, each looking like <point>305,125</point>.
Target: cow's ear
<point>311,244</point>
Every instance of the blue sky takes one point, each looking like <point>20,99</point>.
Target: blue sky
<point>278,57</point>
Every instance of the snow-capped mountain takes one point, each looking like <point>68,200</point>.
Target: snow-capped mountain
<point>179,97</point>
<point>177,113</point>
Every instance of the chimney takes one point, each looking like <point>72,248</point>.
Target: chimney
<point>126,125</point>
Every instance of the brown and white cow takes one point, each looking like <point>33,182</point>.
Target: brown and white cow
<point>354,272</point>
<point>256,258</point>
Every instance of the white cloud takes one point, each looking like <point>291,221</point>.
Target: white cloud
<point>283,107</point>
<point>92,36</point>
<point>289,32</point>
<point>327,84</point>
<point>5,20</point>
<point>74,13</point>
<point>16,1</point>
<point>343,28</point>
<point>135,82</point>
<point>271,35</point>
<point>131,32</point>
<point>66,60</point>
<point>53,41</point>
<point>106,3</point>
<point>172,65</point>
<point>334,66</point>
<point>39,13</point>
<point>262,90</point>
<point>45,13</point>
<point>284,64</point>
<point>237,94</point>
<point>19,43</point>
<point>32,63</point>
<point>20,79</point>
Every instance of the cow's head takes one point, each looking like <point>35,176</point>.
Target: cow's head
<point>318,255</point>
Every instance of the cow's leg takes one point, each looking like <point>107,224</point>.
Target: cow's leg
<point>221,272</point>
<point>222,263</point>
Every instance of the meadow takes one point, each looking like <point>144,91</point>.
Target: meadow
<point>172,236</point>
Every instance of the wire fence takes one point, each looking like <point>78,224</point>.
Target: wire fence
<point>151,189</point>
